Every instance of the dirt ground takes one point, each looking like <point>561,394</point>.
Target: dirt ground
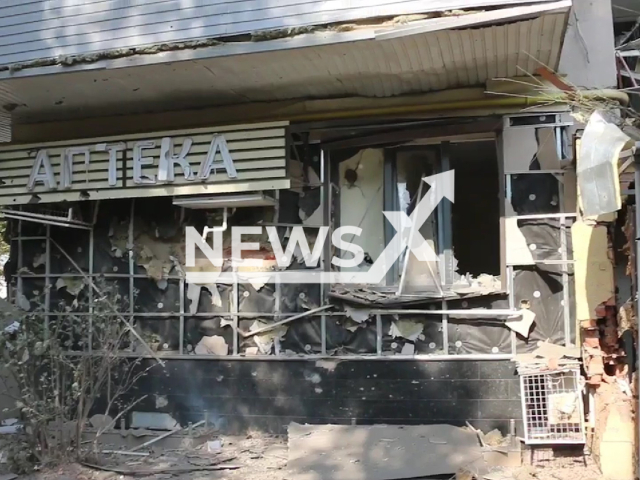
<point>264,457</point>
<point>555,468</point>
<point>256,456</point>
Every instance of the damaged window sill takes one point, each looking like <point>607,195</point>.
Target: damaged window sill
<point>384,357</point>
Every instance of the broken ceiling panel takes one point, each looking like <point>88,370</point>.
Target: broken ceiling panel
<point>195,329</point>
<point>321,63</point>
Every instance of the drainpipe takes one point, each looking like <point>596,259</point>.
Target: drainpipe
<point>636,228</point>
<point>522,101</point>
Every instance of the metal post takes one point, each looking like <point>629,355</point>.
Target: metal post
<point>91,271</point>
<point>565,283</point>
<point>277,306</point>
<point>47,282</point>
<point>637,230</point>
<point>445,216</point>
<point>391,203</point>
<point>131,265</point>
<point>445,329</point>
<point>234,309</point>
<point>325,204</point>
<point>20,261</point>
<point>511,290</point>
<point>445,246</point>
<point>181,319</point>
<point>90,293</point>
<point>379,335</point>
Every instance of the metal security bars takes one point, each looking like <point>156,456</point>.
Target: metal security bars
<point>552,408</point>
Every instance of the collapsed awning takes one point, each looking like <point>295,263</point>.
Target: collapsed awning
<point>371,61</point>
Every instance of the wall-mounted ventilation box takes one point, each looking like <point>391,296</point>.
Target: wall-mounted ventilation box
<point>552,407</point>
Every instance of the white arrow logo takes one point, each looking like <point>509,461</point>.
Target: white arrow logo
<point>407,236</point>
<point>407,231</point>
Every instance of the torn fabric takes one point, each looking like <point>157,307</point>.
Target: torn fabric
<point>542,289</point>
<point>480,335</point>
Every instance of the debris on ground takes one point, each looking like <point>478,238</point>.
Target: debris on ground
<point>494,438</point>
<point>381,452</point>
<point>377,452</point>
<point>548,357</point>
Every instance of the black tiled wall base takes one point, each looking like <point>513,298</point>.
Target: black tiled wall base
<point>267,395</point>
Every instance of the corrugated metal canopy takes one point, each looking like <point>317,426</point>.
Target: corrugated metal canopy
<point>423,56</point>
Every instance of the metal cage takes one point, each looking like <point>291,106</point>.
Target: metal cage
<point>552,407</point>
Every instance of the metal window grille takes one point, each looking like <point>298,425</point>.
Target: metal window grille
<point>49,215</point>
<point>552,407</point>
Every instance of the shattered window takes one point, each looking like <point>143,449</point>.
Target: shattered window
<point>139,247</point>
<point>465,235</point>
<point>361,203</point>
<point>411,167</point>
<point>363,187</point>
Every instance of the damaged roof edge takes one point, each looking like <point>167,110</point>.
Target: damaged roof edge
<point>478,19</point>
<point>272,40</point>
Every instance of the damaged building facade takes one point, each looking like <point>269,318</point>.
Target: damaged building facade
<point>282,117</point>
